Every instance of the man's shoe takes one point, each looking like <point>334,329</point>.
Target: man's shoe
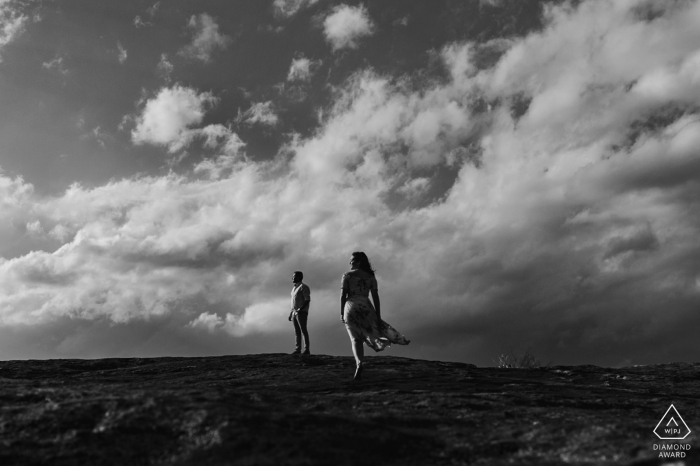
<point>296,352</point>
<point>306,353</point>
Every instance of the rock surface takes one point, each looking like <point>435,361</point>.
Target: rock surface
<point>272,409</point>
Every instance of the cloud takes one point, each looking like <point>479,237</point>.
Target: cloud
<point>165,120</point>
<point>301,69</point>
<point>55,64</point>
<point>370,112</point>
<point>122,53</point>
<point>12,23</point>
<point>165,68</point>
<point>34,228</point>
<point>206,38</point>
<point>491,3</point>
<point>346,26</point>
<point>139,23</point>
<point>15,201</point>
<point>153,9</point>
<point>641,240</point>
<point>231,153</point>
<point>109,282</point>
<point>259,318</point>
<point>569,226</point>
<point>260,113</point>
<point>210,321</point>
<point>171,119</point>
<point>288,8</point>
<point>98,135</point>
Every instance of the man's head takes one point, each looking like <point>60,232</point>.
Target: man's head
<point>297,277</point>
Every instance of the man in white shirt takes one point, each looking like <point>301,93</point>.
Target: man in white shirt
<point>301,297</point>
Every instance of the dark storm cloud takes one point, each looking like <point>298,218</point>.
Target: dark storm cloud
<point>642,240</point>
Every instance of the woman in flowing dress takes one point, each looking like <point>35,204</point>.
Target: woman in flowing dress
<point>363,320</point>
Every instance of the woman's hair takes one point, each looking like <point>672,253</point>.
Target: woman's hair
<point>364,263</point>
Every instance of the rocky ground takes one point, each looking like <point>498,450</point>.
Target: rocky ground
<point>273,409</point>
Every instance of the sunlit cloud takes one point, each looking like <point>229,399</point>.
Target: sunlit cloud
<point>346,26</point>
<point>166,119</point>
<point>259,318</point>
<point>171,119</point>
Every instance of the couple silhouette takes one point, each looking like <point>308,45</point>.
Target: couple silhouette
<point>361,317</point>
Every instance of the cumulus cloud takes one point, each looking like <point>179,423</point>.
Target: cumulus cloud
<point>171,119</point>
<point>260,318</point>
<point>301,69</point>
<point>12,23</point>
<point>346,26</point>
<point>210,321</point>
<point>231,152</point>
<point>34,228</point>
<point>569,225</point>
<point>166,118</point>
<point>15,201</point>
<point>206,38</point>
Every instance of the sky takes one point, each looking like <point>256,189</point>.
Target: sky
<point>523,175</point>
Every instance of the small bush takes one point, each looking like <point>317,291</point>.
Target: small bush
<point>525,360</point>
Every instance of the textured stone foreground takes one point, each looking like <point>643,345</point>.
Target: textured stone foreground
<point>273,409</point>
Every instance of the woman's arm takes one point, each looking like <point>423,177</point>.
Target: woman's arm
<point>375,300</point>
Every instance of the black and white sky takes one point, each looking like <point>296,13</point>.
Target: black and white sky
<point>522,174</point>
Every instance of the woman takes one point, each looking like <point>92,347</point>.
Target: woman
<point>362,320</point>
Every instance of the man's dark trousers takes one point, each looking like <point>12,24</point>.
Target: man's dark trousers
<point>299,320</point>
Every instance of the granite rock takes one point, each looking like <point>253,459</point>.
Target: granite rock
<point>272,409</point>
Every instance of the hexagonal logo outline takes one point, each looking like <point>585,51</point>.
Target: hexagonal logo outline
<point>672,419</point>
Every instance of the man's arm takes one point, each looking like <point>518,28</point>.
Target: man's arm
<point>343,300</point>
<point>306,293</point>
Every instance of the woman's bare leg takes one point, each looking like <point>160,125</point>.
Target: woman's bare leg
<point>358,346</point>
<point>358,350</point>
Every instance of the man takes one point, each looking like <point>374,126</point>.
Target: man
<point>301,297</point>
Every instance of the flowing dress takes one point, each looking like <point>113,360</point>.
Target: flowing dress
<point>360,316</point>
